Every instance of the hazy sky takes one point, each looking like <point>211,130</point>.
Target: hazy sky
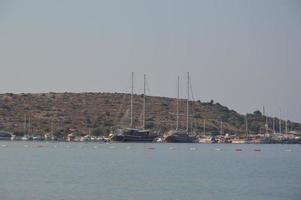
<point>241,53</point>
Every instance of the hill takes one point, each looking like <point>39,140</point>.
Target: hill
<point>101,112</point>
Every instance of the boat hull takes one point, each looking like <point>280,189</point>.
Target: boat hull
<point>5,138</point>
<point>130,138</point>
<point>179,139</point>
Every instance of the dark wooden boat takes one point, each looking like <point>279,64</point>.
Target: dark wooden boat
<point>132,135</point>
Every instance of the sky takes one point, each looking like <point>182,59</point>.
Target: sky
<point>241,53</point>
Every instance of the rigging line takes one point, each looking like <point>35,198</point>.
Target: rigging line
<point>192,104</point>
<point>124,100</point>
<point>190,85</point>
<point>147,87</point>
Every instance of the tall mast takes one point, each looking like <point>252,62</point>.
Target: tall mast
<point>280,128</point>
<point>286,121</point>
<point>29,126</point>
<point>274,125</point>
<point>143,125</point>
<point>247,128</point>
<point>187,103</point>
<point>266,126</point>
<point>178,96</point>
<point>286,130</point>
<point>132,91</point>
<point>221,128</point>
<point>51,126</point>
<point>204,127</point>
<point>24,125</point>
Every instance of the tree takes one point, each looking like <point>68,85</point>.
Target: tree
<point>257,113</point>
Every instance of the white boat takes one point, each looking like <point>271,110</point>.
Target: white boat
<point>85,138</point>
<point>13,137</point>
<point>26,128</point>
<point>205,140</point>
<point>25,138</point>
<point>239,141</point>
<point>38,137</point>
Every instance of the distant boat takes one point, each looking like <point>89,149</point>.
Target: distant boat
<point>159,140</point>
<point>206,140</point>
<point>85,138</point>
<point>71,137</point>
<point>181,136</point>
<point>5,135</point>
<point>13,137</point>
<point>134,134</point>
<point>178,137</point>
<point>38,138</point>
<point>26,136</point>
<point>239,141</point>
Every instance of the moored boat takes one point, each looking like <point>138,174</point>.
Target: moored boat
<point>205,140</point>
<point>239,141</point>
<point>26,137</point>
<point>132,135</point>
<point>5,135</point>
<point>179,137</point>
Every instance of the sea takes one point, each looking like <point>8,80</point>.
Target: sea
<point>147,171</point>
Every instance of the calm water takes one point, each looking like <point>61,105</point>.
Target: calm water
<point>77,171</point>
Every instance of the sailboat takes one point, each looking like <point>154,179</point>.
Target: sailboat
<point>25,136</point>
<point>177,135</point>
<point>134,134</point>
